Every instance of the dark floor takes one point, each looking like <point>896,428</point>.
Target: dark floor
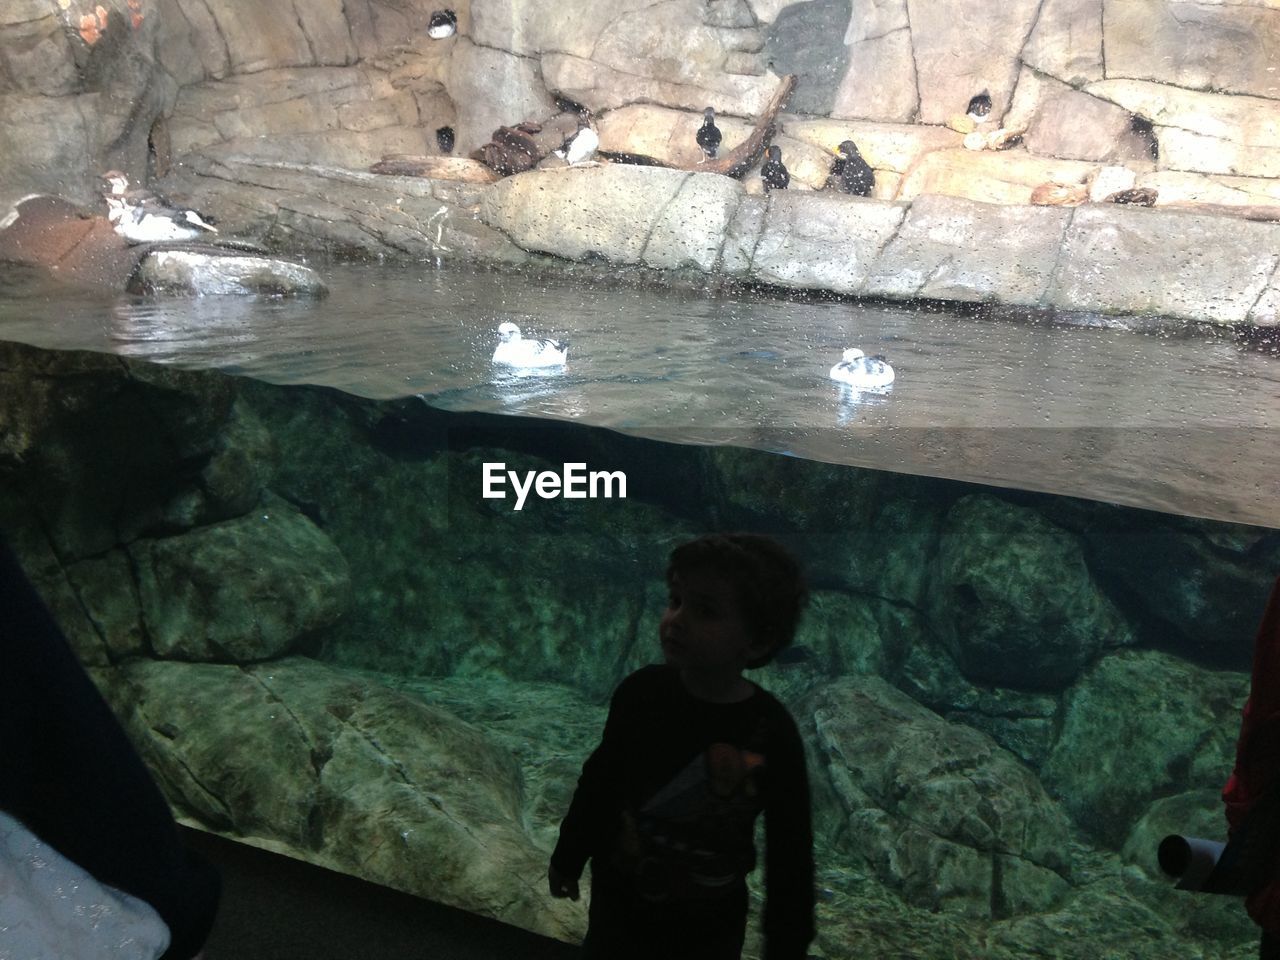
<point>277,908</point>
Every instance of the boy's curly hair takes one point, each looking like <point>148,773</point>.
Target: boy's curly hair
<point>766,578</point>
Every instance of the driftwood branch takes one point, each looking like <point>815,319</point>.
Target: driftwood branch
<point>738,160</point>
<point>523,146</point>
<point>744,156</point>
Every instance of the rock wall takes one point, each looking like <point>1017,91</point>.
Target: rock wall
<point>323,639</point>
<point>1179,96</point>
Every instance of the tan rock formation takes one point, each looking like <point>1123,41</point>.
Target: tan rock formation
<point>1066,42</point>
<point>1196,46</point>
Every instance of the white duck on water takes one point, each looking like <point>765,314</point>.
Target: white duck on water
<point>862,372</point>
<point>515,350</point>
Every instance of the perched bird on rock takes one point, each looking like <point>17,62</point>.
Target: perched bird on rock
<point>443,23</point>
<point>144,217</point>
<point>850,172</point>
<point>709,135</point>
<point>444,139</point>
<point>1138,196</point>
<point>861,372</point>
<point>581,147</point>
<point>979,107</point>
<point>772,171</point>
<point>514,350</point>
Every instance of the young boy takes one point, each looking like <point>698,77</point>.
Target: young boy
<point>692,751</point>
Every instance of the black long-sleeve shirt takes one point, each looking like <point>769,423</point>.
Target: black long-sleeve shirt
<point>656,739</point>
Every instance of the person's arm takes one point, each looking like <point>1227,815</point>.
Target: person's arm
<point>789,872</point>
<point>596,802</point>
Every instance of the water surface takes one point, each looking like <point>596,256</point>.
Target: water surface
<point>1180,423</point>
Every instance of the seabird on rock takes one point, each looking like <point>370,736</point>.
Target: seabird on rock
<point>772,171</point>
<point>709,135</point>
<point>850,172</point>
<point>980,107</point>
<point>443,24</point>
<point>516,351</point>
<point>862,372</point>
<point>143,217</point>
<point>444,139</point>
<point>582,146</point>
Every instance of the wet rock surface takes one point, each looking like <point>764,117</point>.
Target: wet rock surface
<point>205,274</point>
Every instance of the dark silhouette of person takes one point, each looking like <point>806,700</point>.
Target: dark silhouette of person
<point>70,775</point>
<point>1257,768</point>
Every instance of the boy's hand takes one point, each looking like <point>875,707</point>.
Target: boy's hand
<point>561,886</point>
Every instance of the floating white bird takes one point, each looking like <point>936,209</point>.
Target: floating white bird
<point>517,351</point>
<point>583,146</point>
<point>862,372</point>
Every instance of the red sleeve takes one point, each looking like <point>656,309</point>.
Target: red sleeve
<point>1258,747</point>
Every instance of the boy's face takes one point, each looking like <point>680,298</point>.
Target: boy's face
<point>703,628</point>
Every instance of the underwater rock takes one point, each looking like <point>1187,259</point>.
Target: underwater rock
<point>347,774</point>
<point>202,274</point>
<point>1021,722</point>
<point>928,804</point>
<point>1197,593</point>
<point>107,591</point>
<point>67,416</point>
<point>242,590</point>
<point>1013,599</point>
<point>1141,724</point>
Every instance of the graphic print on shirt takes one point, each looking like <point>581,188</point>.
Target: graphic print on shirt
<point>694,838</point>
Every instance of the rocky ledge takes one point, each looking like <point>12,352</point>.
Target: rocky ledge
<point>1104,260</point>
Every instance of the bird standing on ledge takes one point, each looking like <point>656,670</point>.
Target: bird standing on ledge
<point>143,217</point>
<point>850,172</point>
<point>772,171</point>
<point>979,107</point>
<point>709,135</point>
<point>443,24</point>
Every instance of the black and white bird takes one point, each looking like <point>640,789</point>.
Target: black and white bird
<point>582,146</point>
<point>443,23</point>
<point>861,372</point>
<point>709,135</point>
<point>773,172</point>
<point>514,350</point>
<point>850,172</point>
<point>144,217</point>
<point>979,107</point>
<point>445,139</point>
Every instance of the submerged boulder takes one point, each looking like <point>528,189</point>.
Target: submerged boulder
<point>936,809</point>
<point>200,274</point>
<point>345,773</point>
<point>246,589</point>
<point>1142,724</point>
<point>1014,600</point>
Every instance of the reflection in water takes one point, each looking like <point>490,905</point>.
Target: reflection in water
<point>168,331</point>
<point>849,400</point>
<point>1179,423</point>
